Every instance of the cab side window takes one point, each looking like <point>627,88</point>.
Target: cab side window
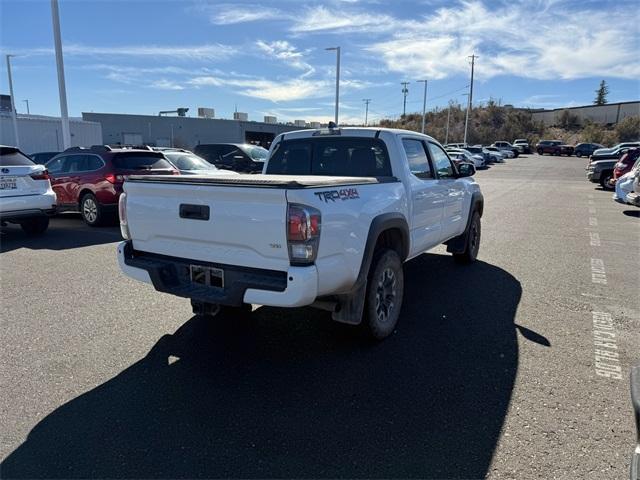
<point>441,161</point>
<point>417,157</point>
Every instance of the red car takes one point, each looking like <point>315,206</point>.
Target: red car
<point>89,180</point>
<point>625,164</point>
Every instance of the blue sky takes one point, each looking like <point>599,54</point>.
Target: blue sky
<point>269,58</point>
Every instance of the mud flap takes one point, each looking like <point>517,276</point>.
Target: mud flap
<point>351,306</point>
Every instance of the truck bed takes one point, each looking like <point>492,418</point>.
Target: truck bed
<point>291,182</point>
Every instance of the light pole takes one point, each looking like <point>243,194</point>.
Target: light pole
<point>366,109</point>
<point>405,91</point>
<point>62,89</point>
<point>27,102</point>
<point>470,99</point>
<point>13,104</point>
<point>337,49</point>
<point>446,136</point>
<point>424,103</point>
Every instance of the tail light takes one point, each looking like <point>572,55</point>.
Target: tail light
<point>113,178</point>
<point>41,175</point>
<point>303,233</point>
<point>122,213</point>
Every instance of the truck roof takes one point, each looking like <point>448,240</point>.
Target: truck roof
<point>348,131</point>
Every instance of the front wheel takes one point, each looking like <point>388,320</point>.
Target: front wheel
<point>605,181</point>
<point>472,242</point>
<point>578,154</point>
<point>540,151</point>
<point>35,226</point>
<point>383,297</point>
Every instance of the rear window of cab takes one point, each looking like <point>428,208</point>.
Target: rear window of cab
<point>335,156</point>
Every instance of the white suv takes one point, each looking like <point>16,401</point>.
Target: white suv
<point>26,196</point>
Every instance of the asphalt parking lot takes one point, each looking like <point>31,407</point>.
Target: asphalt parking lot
<point>514,367</point>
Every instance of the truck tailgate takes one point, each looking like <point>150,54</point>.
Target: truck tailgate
<point>224,224</point>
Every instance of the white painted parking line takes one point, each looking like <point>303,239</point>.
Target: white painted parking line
<point>598,273</point>
<point>592,210</point>
<point>593,222</point>
<point>594,239</point>
<point>606,349</point>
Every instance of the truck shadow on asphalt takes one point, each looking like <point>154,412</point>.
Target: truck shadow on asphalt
<point>290,394</point>
<point>65,232</point>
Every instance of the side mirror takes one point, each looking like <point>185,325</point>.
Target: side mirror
<point>466,170</point>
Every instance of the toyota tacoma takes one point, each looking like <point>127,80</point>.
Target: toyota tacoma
<point>329,223</point>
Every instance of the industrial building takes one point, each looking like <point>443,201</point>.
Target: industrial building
<point>184,132</point>
<point>608,114</point>
<point>39,133</point>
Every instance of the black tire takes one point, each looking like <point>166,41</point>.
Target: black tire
<point>604,181</point>
<point>472,241</point>
<point>91,211</point>
<point>540,151</point>
<point>383,296</point>
<point>35,226</point>
<point>578,154</point>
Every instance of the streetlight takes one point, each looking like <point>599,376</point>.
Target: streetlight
<point>337,49</point>
<point>424,103</point>
<point>27,102</point>
<point>62,89</point>
<point>13,105</point>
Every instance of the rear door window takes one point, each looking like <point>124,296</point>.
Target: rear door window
<point>140,161</point>
<point>342,156</point>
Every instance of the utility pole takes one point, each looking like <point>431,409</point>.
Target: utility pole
<point>337,49</point>
<point>470,102</point>
<point>62,89</point>
<point>405,91</point>
<point>424,103</point>
<point>14,116</point>
<point>27,102</point>
<point>446,136</point>
<point>366,109</point>
<point>466,118</point>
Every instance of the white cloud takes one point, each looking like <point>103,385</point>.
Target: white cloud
<point>287,53</point>
<point>324,20</point>
<point>229,14</point>
<point>164,84</point>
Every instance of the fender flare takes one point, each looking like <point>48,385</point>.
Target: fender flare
<point>352,303</point>
<point>458,244</point>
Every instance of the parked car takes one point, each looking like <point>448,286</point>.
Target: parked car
<point>624,184</point>
<point>633,197</point>
<point>245,158</point>
<point>455,145</point>
<point>601,172</point>
<point>554,147</point>
<point>604,151</point>
<point>625,164</point>
<point>26,196</point>
<point>506,146</point>
<point>498,155</point>
<point>609,154</point>
<point>42,157</point>
<point>188,163</point>
<point>522,144</point>
<point>345,239</point>
<point>89,180</point>
<point>479,150</point>
<point>586,149</point>
<point>459,154</point>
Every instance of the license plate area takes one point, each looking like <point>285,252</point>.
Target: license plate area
<point>8,183</point>
<point>207,276</point>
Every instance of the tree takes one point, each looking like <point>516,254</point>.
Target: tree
<point>601,94</point>
<point>628,129</point>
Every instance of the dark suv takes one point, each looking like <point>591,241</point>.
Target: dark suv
<point>586,149</point>
<point>239,157</point>
<point>553,147</point>
<point>89,180</point>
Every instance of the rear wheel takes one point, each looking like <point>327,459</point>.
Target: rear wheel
<point>540,151</point>
<point>35,226</point>
<point>578,154</point>
<point>91,210</point>
<point>472,243</point>
<point>605,179</point>
<point>383,297</point>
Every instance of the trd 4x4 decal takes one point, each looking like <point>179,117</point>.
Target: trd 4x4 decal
<point>343,194</point>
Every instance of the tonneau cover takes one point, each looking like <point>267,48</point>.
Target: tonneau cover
<point>261,180</point>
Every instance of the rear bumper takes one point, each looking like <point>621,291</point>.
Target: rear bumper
<point>21,215</point>
<point>633,198</point>
<point>295,287</point>
<point>28,205</point>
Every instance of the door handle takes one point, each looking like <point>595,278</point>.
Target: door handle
<point>420,195</point>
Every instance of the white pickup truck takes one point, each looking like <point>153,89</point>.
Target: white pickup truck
<point>329,224</point>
